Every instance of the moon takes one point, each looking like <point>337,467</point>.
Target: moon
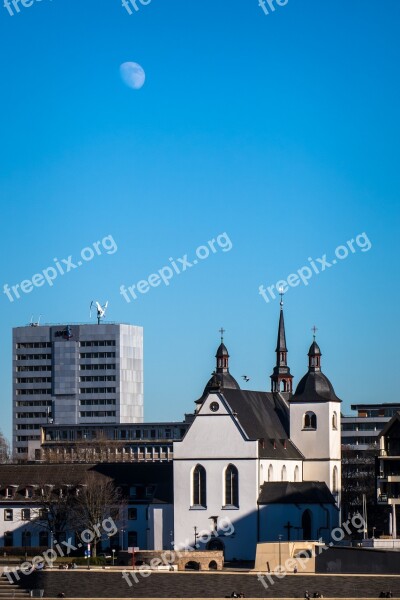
<point>132,75</point>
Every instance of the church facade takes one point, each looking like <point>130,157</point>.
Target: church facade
<point>266,462</point>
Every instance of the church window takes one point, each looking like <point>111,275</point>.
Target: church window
<point>270,473</point>
<point>335,480</point>
<point>231,486</point>
<point>284,473</point>
<point>199,486</point>
<point>310,421</point>
<point>296,473</point>
<point>334,420</point>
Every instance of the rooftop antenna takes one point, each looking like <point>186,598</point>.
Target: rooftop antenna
<point>35,323</point>
<point>101,310</point>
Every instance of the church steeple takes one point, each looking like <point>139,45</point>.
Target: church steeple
<point>314,355</point>
<point>281,379</point>
<point>222,355</point>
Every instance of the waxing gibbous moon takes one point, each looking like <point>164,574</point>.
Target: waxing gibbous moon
<point>132,75</point>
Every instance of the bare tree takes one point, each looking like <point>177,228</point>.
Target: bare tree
<point>5,451</point>
<point>98,500</point>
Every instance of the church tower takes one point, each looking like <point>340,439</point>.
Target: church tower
<point>315,424</point>
<point>281,379</point>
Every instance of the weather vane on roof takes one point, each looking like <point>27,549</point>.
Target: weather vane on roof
<point>222,331</point>
<point>314,330</point>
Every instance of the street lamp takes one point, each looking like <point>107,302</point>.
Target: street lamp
<point>195,536</point>
<point>113,556</point>
<point>122,539</point>
<point>373,533</point>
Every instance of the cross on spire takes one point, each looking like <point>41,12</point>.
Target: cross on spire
<point>222,331</point>
<point>281,293</point>
<point>314,330</point>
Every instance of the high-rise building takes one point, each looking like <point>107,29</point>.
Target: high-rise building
<point>73,375</point>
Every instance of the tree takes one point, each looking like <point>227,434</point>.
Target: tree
<point>5,451</point>
<point>98,500</point>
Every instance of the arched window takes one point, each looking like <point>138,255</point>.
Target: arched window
<point>334,420</point>
<point>296,473</point>
<point>231,486</point>
<point>335,480</point>
<point>199,486</point>
<point>310,420</point>
<point>284,473</point>
<point>270,473</point>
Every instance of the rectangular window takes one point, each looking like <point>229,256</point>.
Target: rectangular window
<point>8,514</point>
<point>26,514</point>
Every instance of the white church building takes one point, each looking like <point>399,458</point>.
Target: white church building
<point>267,461</point>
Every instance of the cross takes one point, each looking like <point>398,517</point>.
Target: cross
<point>288,526</point>
<point>281,293</point>
<point>314,329</point>
<point>222,331</point>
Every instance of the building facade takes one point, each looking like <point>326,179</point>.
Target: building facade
<point>75,374</point>
<point>267,462</point>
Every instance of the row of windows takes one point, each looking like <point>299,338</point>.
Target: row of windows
<point>97,390</point>
<point>33,345</point>
<point>31,415</point>
<point>101,413</point>
<point>39,392</point>
<point>33,368</point>
<point>103,367</point>
<point>97,378</point>
<point>27,426</point>
<point>33,380</point>
<point>37,403</point>
<point>98,355</point>
<point>108,401</point>
<point>199,486</point>
<point>98,343</point>
<point>33,357</point>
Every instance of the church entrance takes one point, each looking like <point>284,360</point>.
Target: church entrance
<point>306,523</point>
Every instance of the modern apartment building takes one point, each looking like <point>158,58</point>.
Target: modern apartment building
<point>75,375</point>
<point>361,431</point>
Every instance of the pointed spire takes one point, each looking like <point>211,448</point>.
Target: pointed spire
<point>281,379</point>
<point>222,355</point>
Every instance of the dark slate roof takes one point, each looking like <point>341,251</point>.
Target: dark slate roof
<point>264,416</point>
<point>315,387</point>
<point>287,492</point>
<point>222,350</point>
<point>314,349</point>
<point>124,475</point>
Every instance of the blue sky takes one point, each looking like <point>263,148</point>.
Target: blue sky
<point>281,130</point>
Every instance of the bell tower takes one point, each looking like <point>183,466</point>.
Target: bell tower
<point>281,378</point>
